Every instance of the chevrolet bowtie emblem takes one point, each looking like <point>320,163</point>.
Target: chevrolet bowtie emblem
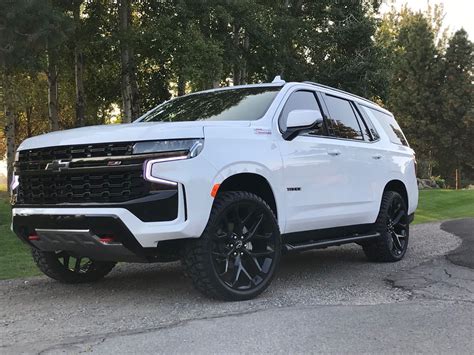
<point>57,165</point>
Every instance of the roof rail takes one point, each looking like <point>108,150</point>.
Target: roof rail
<point>339,90</point>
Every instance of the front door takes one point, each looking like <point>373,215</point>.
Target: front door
<point>325,174</point>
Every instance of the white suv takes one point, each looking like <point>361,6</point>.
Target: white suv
<point>225,180</point>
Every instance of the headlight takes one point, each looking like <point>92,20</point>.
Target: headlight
<point>183,147</point>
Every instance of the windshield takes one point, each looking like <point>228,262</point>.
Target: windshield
<point>242,104</point>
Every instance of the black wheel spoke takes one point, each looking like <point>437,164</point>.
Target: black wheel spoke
<point>261,253</point>
<point>244,246</point>
<point>398,217</point>
<point>77,266</point>
<point>251,212</point>
<point>220,254</point>
<point>254,228</point>
<point>66,261</point>
<point>246,273</point>
<point>396,241</point>
<point>238,270</point>
<point>238,226</point>
<point>226,268</point>
<point>221,235</point>
<point>228,225</point>
<point>253,258</point>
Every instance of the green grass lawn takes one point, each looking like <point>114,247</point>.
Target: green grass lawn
<point>16,262</point>
<point>15,256</point>
<point>435,205</point>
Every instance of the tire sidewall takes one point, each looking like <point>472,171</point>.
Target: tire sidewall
<point>230,293</point>
<point>386,235</point>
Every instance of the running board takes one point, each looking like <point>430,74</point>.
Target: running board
<point>328,242</point>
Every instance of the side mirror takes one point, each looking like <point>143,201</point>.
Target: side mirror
<point>303,118</point>
<point>299,120</point>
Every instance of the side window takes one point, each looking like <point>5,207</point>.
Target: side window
<point>371,128</point>
<point>299,100</point>
<point>389,125</point>
<point>370,133</point>
<point>344,119</point>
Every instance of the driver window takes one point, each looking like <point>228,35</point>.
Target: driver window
<point>299,100</point>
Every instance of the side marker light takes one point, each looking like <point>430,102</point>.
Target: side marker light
<point>214,190</point>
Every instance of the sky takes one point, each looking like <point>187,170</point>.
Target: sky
<point>458,13</point>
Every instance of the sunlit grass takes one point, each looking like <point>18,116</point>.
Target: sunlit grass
<point>15,257</point>
<point>435,205</point>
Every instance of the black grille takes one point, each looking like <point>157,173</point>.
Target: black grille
<point>37,159</point>
<point>82,187</point>
<point>83,181</point>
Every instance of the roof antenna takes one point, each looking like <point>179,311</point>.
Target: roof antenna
<point>278,80</point>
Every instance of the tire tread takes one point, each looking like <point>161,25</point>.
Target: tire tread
<point>195,252</point>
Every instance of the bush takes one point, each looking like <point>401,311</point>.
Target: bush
<point>440,182</point>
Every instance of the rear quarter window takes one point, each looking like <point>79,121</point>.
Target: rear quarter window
<point>389,125</point>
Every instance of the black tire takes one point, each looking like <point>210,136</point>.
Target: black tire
<point>236,257</point>
<point>58,267</point>
<point>392,224</point>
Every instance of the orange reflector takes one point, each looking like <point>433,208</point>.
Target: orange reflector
<point>214,190</point>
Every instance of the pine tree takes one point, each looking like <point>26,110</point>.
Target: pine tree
<point>458,115</point>
<point>415,87</point>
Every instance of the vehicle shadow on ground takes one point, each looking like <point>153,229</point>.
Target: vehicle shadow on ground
<point>165,279</point>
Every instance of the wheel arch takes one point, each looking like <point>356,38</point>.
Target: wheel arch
<point>399,187</point>
<point>254,183</point>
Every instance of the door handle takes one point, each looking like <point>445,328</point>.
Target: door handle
<point>377,156</point>
<point>334,152</point>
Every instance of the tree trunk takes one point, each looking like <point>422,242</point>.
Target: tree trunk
<point>79,69</point>
<point>244,72</point>
<point>458,179</point>
<point>9,130</point>
<point>181,86</point>
<point>129,84</point>
<point>237,74</point>
<point>28,112</point>
<point>53,90</point>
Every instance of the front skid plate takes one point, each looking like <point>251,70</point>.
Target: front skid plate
<point>81,243</point>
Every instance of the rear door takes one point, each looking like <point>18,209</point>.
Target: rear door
<point>362,163</point>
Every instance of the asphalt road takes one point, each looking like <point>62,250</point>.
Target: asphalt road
<point>330,301</point>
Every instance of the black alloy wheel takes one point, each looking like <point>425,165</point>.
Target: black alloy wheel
<point>244,246</point>
<point>66,268</point>
<point>397,224</point>
<point>392,225</point>
<point>236,257</point>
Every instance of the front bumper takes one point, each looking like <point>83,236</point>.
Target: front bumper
<point>80,235</point>
<point>191,215</point>
<point>145,234</point>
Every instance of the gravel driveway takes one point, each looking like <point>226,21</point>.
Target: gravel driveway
<point>329,300</point>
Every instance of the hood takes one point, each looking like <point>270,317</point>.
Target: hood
<point>131,132</point>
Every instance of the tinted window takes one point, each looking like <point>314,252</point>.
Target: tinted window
<point>389,125</point>
<point>343,118</point>
<point>371,128</point>
<point>300,100</point>
<point>244,104</point>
